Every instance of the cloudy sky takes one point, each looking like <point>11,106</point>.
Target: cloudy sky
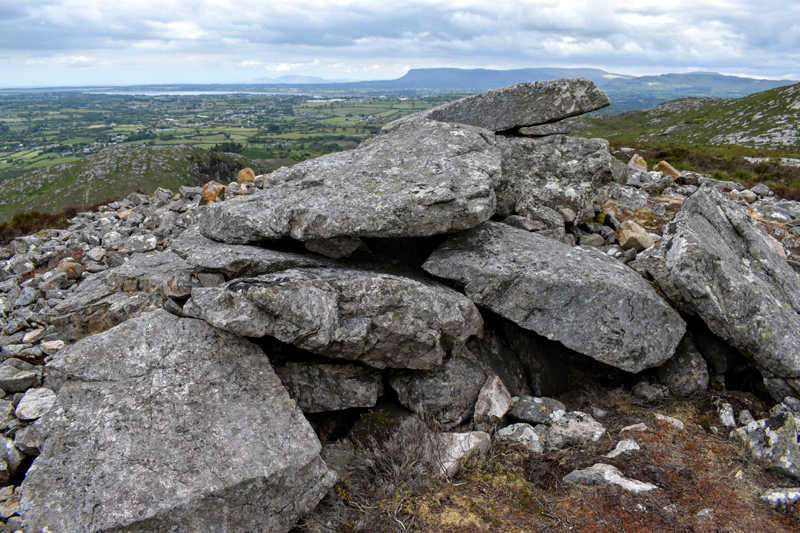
<point>86,42</point>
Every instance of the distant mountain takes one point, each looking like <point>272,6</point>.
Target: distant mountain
<point>768,119</point>
<point>295,80</point>
<point>709,82</point>
<point>480,79</point>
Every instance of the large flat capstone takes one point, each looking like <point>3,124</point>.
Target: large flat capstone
<point>526,104</point>
<point>168,424</point>
<point>419,178</point>
<point>716,262</point>
<point>380,319</point>
<point>579,297</point>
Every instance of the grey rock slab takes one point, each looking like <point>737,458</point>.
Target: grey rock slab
<point>535,410</point>
<point>574,429</point>
<point>329,387</point>
<point>418,178</point>
<point>686,373</point>
<point>16,380</point>
<point>557,172</point>
<point>196,435</point>
<point>544,130</point>
<point>35,403</point>
<point>522,434</point>
<point>579,297</point>
<point>445,394</point>
<point>603,475</point>
<point>525,104</point>
<point>629,197</point>
<point>716,262</point>
<point>239,260</point>
<point>379,319</point>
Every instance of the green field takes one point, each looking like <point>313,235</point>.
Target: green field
<point>38,130</point>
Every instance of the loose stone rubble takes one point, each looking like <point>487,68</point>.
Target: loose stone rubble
<point>168,359</point>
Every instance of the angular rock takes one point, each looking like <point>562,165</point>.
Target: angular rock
<point>632,235</point>
<point>198,435</point>
<point>141,243</point>
<point>623,446</point>
<point>453,447</point>
<point>536,410</point>
<point>715,261</point>
<point>556,172</point>
<point>418,178</point>
<point>445,394</point>
<point>238,260</point>
<point>335,247</point>
<point>522,434</point>
<point>525,104</point>
<point>109,298</point>
<point>492,405</point>
<point>324,387</point>
<point>686,373</point>
<point>726,415</point>
<point>670,421</point>
<point>544,220</point>
<point>379,319</point>
<point>651,392</point>
<point>574,429</point>
<point>15,380</point>
<point>776,497</point>
<point>579,297</point>
<point>773,441</point>
<point>35,403</point>
<point>667,169</point>
<point>638,162</point>
<point>10,455</point>
<point>603,475</point>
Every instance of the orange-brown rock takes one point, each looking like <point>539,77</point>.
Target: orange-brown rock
<point>668,170</point>
<point>212,192</point>
<point>73,270</point>
<point>246,175</point>
<point>632,235</point>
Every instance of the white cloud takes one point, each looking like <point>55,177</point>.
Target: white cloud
<point>163,40</point>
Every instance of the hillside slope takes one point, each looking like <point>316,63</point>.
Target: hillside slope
<point>768,119</point>
<point>118,171</point>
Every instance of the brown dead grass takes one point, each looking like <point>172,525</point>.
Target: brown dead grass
<point>512,490</point>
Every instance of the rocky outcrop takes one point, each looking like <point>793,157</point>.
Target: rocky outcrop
<point>379,319</point>
<point>198,435</point>
<point>421,178</point>
<point>716,261</point>
<point>526,104</point>
<point>583,299</point>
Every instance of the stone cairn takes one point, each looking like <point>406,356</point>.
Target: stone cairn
<point>164,371</point>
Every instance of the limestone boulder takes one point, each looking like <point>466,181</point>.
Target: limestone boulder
<point>686,373</point>
<point>445,394</point>
<point>557,172</point>
<point>716,262</point>
<point>525,104</point>
<point>382,320</point>
<point>579,297</point>
<point>329,387</point>
<point>418,178</point>
<point>153,434</point>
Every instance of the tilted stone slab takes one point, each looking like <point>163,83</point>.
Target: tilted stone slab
<point>526,104</point>
<point>380,319</point>
<point>715,261</point>
<point>108,298</point>
<point>419,178</point>
<point>579,297</point>
<point>555,172</point>
<point>238,260</point>
<point>166,424</point>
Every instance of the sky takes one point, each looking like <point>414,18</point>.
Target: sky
<point>84,42</point>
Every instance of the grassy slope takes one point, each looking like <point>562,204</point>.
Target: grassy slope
<point>769,119</point>
<point>118,171</point>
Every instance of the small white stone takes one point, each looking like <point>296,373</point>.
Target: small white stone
<point>627,445</point>
<point>674,422</point>
<point>636,427</point>
<point>35,403</point>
